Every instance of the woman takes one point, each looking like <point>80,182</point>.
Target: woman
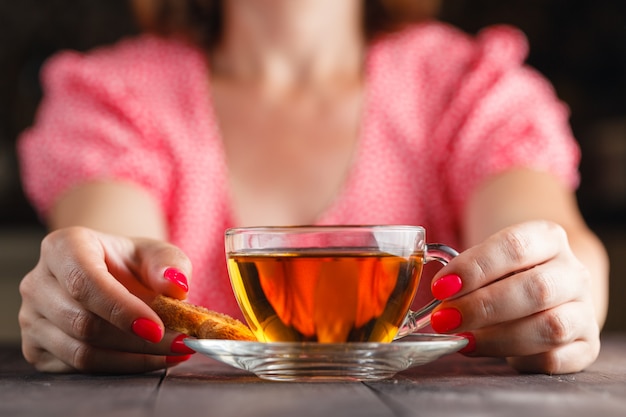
<point>275,112</point>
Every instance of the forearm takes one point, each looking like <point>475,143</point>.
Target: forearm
<point>112,207</point>
<point>524,195</point>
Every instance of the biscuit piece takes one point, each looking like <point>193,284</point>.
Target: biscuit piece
<point>199,322</point>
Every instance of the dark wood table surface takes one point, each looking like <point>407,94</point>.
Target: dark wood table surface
<point>452,385</point>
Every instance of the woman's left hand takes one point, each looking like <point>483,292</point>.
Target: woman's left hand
<point>521,294</point>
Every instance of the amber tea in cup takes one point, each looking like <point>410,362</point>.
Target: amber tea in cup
<point>330,284</point>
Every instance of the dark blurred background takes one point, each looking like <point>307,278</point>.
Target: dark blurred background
<point>579,45</point>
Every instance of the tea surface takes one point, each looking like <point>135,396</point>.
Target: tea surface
<point>328,296</point>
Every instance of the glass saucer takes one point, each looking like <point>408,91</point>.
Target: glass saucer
<point>309,361</point>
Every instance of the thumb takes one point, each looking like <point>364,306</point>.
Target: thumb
<point>163,267</point>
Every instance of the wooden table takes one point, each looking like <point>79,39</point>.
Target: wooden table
<point>453,385</point>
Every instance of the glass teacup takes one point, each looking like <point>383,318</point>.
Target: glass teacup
<point>331,284</point>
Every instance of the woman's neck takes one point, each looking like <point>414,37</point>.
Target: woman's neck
<point>281,44</point>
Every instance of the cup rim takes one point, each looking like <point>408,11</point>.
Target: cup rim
<point>323,228</point>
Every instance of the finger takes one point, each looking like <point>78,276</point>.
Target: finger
<point>511,250</point>
<point>164,268</point>
<point>537,334</point>
<point>84,326</point>
<point>31,347</point>
<point>159,266</point>
<point>78,323</point>
<point>84,275</point>
<point>57,352</point>
<point>44,361</point>
<point>522,294</point>
<point>570,358</point>
<point>45,298</point>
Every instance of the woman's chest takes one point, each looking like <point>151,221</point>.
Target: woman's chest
<point>288,160</point>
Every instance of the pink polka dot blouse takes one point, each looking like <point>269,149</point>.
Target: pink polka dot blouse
<point>444,110</point>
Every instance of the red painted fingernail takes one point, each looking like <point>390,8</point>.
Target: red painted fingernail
<point>471,343</point>
<point>445,320</point>
<point>148,330</point>
<point>177,277</point>
<point>179,346</point>
<point>173,360</point>
<point>447,286</point>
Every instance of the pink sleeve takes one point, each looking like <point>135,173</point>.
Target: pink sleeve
<point>512,119</point>
<point>90,126</point>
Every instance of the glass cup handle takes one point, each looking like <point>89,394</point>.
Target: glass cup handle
<point>416,320</point>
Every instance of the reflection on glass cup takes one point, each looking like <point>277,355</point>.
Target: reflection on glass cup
<point>331,284</point>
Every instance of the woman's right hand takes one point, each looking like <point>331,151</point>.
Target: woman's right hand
<point>84,306</point>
